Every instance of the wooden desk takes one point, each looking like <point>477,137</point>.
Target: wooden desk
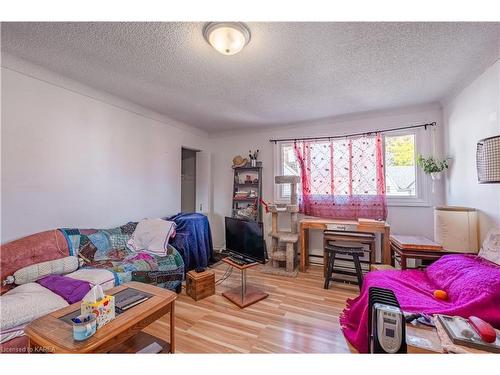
<point>123,334</point>
<point>414,247</point>
<point>362,225</point>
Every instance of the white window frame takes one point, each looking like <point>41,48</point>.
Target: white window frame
<point>423,146</point>
<point>278,170</point>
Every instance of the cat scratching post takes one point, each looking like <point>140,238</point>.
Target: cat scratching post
<point>284,244</point>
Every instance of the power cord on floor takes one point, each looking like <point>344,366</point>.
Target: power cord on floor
<point>226,275</point>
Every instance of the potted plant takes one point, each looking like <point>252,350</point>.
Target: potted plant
<point>432,166</point>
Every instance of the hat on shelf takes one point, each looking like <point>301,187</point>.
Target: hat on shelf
<point>239,161</point>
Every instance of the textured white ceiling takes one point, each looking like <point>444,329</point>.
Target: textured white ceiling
<point>288,73</point>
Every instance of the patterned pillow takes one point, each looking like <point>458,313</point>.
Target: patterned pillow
<point>53,267</point>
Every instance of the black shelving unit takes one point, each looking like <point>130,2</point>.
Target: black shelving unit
<point>240,185</point>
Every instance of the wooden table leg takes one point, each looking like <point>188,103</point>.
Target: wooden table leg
<point>325,257</point>
<point>307,248</point>
<point>403,262</point>
<point>172,327</point>
<point>372,247</point>
<point>386,246</point>
<point>393,257</point>
<point>303,249</point>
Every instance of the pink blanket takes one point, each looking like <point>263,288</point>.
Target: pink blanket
<point>472,284</point>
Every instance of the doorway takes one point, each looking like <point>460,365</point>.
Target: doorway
<point>188,180</point>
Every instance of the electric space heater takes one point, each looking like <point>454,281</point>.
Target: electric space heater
<point>386,322</point>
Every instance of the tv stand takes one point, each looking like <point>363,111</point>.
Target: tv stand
<point>244,295</point>
<point>239,259</point>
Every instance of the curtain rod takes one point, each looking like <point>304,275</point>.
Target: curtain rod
<point>354,134</point>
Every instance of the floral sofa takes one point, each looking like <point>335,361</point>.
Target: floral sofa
<point>20,304</point>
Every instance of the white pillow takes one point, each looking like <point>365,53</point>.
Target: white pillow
<point>151,236</point>
<point>36,271</point>
<point>95,276</point>
<point>27,302</point>
<point>491,246</point>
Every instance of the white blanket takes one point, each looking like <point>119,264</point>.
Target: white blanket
<point>151,236</point>
<point>491,246</point>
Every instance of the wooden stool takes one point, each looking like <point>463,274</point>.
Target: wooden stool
<point>353,251</point>
<point>357,237</point>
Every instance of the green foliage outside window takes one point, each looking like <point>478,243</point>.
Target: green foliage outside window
<point>401,150</point>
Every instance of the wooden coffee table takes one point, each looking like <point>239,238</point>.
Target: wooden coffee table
<point>122,335</point>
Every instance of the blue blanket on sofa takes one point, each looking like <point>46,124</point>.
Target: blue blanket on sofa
<point>193,239</point>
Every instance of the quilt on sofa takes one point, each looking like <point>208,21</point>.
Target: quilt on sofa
<point>107,249</point>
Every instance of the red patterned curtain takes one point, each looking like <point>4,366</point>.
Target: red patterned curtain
<point>342,178</point>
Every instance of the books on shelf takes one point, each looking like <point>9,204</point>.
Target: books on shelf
<point>247,191</point>
<point>241,195</point>
<point>244,195</point>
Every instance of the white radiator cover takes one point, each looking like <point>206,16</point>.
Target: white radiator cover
<point>456,228</point>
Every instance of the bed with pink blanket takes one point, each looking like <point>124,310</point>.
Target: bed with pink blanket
<point>472,284</point>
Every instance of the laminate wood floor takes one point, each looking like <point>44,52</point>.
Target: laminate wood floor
<point>299,316</point>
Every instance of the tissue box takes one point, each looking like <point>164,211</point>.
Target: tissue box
<point>103,309</point>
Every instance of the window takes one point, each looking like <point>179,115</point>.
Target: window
<point>406,185</point>
<point>288,166</point>
<point>400,169</point>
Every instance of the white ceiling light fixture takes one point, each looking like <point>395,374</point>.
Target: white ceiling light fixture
<point>228,38</point>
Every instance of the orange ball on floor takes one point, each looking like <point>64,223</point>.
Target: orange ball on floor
<point>441,294</point>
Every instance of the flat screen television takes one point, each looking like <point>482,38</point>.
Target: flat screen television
<point>246,238</point>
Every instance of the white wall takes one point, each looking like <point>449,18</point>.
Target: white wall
<point>471,115</point>
<point>76,157</point>
<point>403,220</point>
